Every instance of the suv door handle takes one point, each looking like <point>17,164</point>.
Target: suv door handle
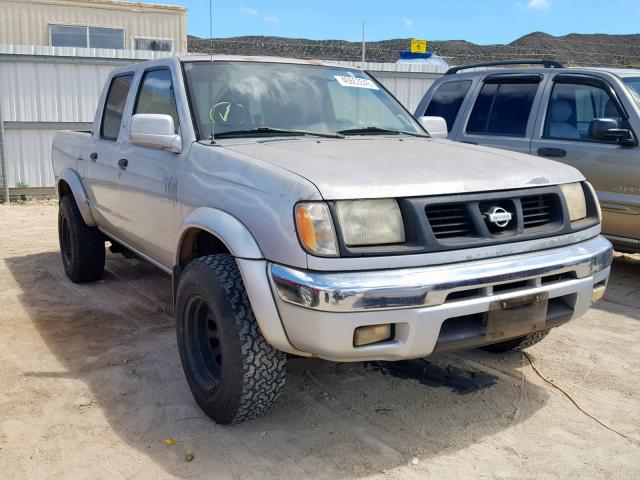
<point>93,156</point>
<point>123,163</point>
<point>552,152</point>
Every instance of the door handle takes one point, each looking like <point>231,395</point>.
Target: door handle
<point>93,156</point>
<point>123,163</point>
<point>552,152</point>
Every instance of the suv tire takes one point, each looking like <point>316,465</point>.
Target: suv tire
<point>81,246</point>
<point>233,373</point>
<point>517,344</point>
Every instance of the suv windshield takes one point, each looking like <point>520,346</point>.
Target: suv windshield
<point>271,99</point>
<point>634,87</point>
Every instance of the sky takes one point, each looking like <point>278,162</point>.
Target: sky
<point>479,21</point>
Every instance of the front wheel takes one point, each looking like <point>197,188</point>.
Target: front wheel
<point>517,344</point>
<point>233,373</point>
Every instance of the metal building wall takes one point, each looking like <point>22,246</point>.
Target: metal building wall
<point>29,153</point>
<point>47,89</point>
<point>26,22</point>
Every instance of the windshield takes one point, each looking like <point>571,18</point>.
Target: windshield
<point>254,99</point>
<point>634,87</point>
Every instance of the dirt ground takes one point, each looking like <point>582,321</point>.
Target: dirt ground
<point>91,387</point>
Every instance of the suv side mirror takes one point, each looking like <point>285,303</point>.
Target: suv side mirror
<point>608,130</point>
<point>154,131</point>
<point>436,126</point>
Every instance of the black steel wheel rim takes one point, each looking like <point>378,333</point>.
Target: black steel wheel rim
<point>203,347</point>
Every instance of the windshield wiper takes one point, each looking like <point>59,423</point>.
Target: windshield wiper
<point>277,131</point>
<point>371,130</point>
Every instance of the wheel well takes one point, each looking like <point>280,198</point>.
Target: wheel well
<point>63,189</point>
<point>198,243</point>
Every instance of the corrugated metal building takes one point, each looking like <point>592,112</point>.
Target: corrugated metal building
<point>54,57</point>
<point>45,89</point>
<point>93,24</point>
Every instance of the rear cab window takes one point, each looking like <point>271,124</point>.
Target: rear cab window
<point>503,106</point>
<point>114,106</point>
<point>447,100</point>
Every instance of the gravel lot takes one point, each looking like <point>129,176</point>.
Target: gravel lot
<point>92,387</point>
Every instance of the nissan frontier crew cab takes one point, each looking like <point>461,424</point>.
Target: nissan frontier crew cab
<point>300,209</point>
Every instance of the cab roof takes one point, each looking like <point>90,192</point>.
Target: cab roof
<point>471,73</point>
<point>257,59</point>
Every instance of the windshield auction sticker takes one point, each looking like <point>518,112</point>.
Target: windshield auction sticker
<point>355,82</point>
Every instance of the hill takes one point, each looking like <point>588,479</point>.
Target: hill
<point>572,49</point>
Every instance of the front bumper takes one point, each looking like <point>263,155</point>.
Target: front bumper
<point>431,308</point>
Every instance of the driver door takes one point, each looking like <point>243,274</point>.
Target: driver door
<point>570,104</point>
<point>149,178</point>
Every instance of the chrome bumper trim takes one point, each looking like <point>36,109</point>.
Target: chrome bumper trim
<point>429,286</point>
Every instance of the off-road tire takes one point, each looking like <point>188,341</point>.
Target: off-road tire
<point>81,246</point>
<point>233,373</point>
<point>517,344</point>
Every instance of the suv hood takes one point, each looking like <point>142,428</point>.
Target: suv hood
<point>381,167</point>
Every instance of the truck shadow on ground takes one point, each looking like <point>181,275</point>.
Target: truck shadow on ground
<point>348,420</point>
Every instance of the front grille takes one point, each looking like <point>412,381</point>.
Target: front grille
<point>537,211</point>
<point>449,221</point>
<point>469,220</point>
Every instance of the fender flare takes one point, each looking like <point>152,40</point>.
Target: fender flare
<point>224,226</point>
<point>243,246</point>
<point>72,179</point>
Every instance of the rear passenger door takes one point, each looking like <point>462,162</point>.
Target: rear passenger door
<point>503,112</point>
<point>571,102</point>
<point>101,168</point>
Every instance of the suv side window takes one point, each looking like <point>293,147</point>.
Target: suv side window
<point>572,107</point>
<point>114,107</point>
<point>447,100</point>
<point>503,107</point>
<point>156,95</point>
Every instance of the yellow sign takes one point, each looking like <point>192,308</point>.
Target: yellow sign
<point>418,46</point>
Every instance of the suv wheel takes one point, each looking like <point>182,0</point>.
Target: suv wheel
<point>233,373</point>
<point>517,344</point>
<point>81,246</point>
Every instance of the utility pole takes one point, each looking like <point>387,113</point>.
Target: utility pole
<point>211,27</point>
<point>4,174</point>
<point>364,45</point>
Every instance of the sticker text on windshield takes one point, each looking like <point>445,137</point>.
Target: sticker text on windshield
<point>356,82</point>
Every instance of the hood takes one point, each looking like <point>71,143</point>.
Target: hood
<point>381,167</point>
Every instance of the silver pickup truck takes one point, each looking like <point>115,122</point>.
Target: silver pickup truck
<point>300,209</point>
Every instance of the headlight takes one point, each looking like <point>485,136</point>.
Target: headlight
<point>315,228</point>
<point>576,202</point>
<point>370,222</point>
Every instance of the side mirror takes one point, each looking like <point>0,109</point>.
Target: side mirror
<point>608,130</point>
<point>155,131</point>
<point>436,126</point>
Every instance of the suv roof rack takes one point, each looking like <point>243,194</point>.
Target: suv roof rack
<point>545,63</point>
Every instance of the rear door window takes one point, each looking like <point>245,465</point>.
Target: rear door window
<point>156,95</point>
<point>503,107</point>
<point>114,107</point>
<point>447,100</point>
